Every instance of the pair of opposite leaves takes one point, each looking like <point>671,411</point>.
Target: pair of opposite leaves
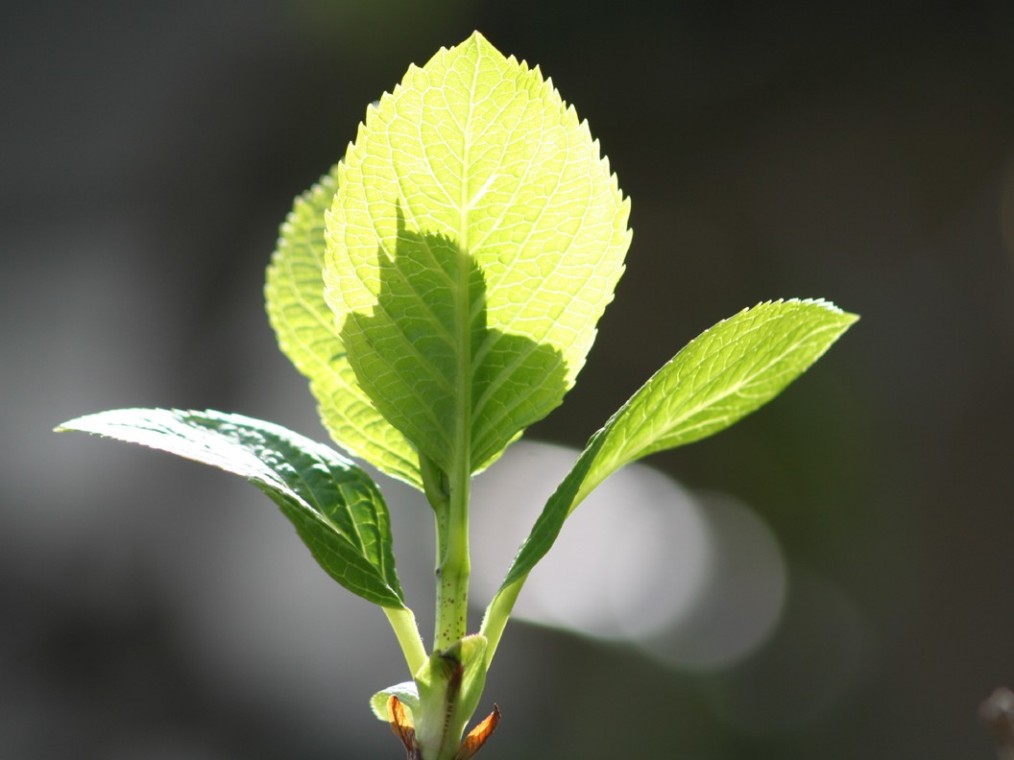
<point>440,288</point>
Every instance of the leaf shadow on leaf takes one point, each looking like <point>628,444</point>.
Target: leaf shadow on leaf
<point>430,317</point>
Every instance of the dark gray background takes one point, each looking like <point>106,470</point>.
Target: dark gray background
<point>858,152</point>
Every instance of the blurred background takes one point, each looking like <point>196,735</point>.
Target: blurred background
<point>832,578</point>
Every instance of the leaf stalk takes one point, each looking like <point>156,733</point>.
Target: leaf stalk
<point>407,631</point>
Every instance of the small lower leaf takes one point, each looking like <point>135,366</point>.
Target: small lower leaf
<point>335,507</point>
<point>407,694</point>
<point>401,725</point>
<point>479,735</point>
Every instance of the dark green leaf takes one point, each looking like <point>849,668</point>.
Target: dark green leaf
<point>335,506</point>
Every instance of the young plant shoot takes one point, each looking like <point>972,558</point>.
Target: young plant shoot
<point>440,288</point>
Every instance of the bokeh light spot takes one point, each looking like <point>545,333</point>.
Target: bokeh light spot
<point>696,585</point>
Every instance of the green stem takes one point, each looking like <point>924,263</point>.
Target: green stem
<point>453,562</point>
<point>407,630</point>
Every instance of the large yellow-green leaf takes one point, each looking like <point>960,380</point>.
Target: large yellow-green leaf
<point>475,240</point>
<point>308,335</point>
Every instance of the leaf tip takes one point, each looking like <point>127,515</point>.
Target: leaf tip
<point>73,425</point>
<point>478,38</point>
<point>847,316</point>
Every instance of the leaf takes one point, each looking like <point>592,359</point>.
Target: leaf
<point>479,735</point>
<point>308,335</point>
<point>407,694</point>
<point>401,725</point>
<point>475,241</point>
<point>719,377</point>
<point>334,506</point>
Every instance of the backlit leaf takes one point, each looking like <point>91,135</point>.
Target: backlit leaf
<point>406,692</point>
<point>476,237</point>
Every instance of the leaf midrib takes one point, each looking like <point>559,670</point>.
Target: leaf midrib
<point>463,306</point>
